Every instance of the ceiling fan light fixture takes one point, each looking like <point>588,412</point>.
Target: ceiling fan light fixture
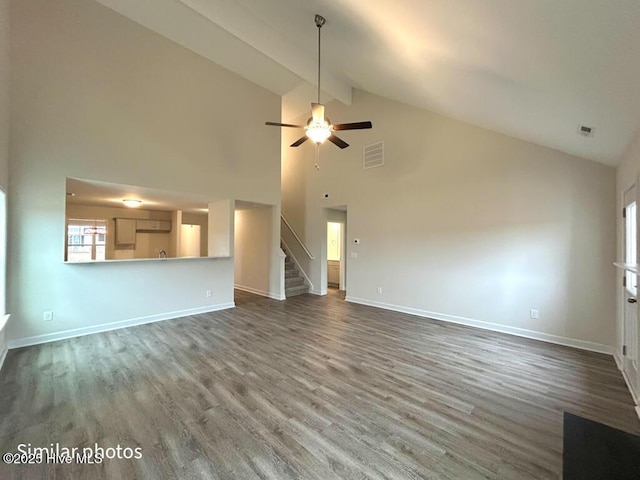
<point>129,202</point>
<point>318,133</point>
<point>318,127</point>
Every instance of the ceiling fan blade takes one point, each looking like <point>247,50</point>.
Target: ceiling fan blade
<point>317,112</point>
<point>275,124</point>
<point>300,141</point>
<point>337,141</point>
<point>353,126</point>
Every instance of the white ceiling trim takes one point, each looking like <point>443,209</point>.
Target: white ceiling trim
<point>243,24</point>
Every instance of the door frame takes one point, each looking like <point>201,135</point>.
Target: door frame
<point>630,325</point>
<point>343,244</point>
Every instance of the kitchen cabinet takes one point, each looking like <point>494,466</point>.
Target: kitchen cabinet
<point>125,231</point>
<point>153,225</point>
<point>333,272</point>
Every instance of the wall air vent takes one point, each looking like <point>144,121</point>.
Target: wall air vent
<point>586,131</point>
<point>373,155</point>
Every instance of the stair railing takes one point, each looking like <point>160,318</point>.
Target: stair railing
<point>295,235</point>
<point>297,264</point>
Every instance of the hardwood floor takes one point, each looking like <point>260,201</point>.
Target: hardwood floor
<point>308,388</point>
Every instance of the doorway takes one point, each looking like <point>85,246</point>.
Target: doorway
<point>334,254</point>
<point>630,323</point>
<point>335,249</point>
<point>254,247</point>
<point>190,240</point>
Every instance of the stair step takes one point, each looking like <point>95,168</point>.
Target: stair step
<point>299,290</point>
<point>293,282</point>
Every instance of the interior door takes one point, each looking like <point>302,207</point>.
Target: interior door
<point>630,337</point>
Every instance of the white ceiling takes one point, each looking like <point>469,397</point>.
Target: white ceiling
<point>105,194</point>
<point>82,191</point>
<point>533,69</point>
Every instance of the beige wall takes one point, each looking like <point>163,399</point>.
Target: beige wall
<point>97,96</point>
<point>253,244</point>
<point>4,129</point>
<point>462,223</point>
<point>4,93</point>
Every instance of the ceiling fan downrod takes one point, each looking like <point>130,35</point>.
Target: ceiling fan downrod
<point>320,21</point>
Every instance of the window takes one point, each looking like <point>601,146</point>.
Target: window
<point>630,254</point>
<point>86,240</point>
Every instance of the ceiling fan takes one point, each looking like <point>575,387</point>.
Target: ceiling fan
<point>318,127</point>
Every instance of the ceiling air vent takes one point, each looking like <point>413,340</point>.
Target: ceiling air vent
<point>373,155</point>
<point>586,131</point>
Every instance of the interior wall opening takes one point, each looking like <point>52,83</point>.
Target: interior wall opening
<point>336,262</point>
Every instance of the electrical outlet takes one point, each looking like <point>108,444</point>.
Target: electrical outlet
<point>47,316</point>
<point>209,293</point>
<point>354,255</point>
<point>534,313</point>
<point>379,290</point>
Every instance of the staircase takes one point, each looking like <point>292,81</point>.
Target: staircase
<point>293,280</point>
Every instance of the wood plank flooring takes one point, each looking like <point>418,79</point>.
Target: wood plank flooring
<point>308,388</point>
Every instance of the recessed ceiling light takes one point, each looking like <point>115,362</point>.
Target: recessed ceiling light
<point>132,203</point>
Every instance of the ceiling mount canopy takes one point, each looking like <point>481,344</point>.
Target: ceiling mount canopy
<point>319,127</point>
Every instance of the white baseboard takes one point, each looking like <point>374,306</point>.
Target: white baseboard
<point>3,355</point>
<point>263,293</point>
<point>617,356</point>
<point>618,359</point>
<point>105,327</point>
<point>520,332</point>
<point>3,320</point>
<point>5,348</point>
<point>619,363</point>
<point>318,292</point>
<point>636,398</point>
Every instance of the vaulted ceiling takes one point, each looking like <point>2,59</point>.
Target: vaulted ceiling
<point>533,69</point>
